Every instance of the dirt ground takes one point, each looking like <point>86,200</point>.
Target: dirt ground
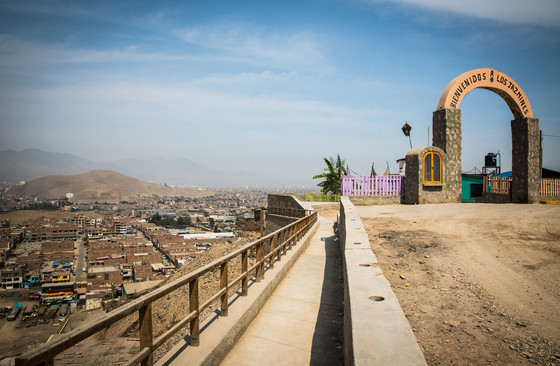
<point>479,283</point>
<point>18,336</point>
<point>19,217</point>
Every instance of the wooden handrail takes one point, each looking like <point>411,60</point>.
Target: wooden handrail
<point>290,235</point>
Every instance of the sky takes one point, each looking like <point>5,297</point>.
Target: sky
<point>270,87</point>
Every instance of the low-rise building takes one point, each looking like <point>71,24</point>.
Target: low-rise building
<point>12,276</point>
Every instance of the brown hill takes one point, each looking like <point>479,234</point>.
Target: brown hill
<point>99,185</point>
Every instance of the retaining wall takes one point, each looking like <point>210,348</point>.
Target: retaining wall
<point>282,211</point>
<point>376,332</point>
<point>375,200</point>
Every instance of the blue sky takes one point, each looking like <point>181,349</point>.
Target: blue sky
<point>269,87</point>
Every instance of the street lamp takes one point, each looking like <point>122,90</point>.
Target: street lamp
<point>406,130</point>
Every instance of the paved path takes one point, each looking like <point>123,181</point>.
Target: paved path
<point>301,323</point>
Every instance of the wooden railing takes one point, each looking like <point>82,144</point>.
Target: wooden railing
<point>550,187</point>
<point>278,242</point>
<point>497,185</point>
<point>379,185</point>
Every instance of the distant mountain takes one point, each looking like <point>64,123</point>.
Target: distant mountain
<point>98,185</point>
<point>28,164</point>
<point>32,163</point>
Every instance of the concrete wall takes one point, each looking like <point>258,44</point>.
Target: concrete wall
<point>376,332</point>
<point>282,201</point>
<point>288,206</point>
<point>375,200</point>
<point>495,198</point>
<point>275,222</point>
<point>549,198</point>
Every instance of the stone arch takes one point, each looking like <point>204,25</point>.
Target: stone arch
<point>447,134</point>
<point>489,79</point>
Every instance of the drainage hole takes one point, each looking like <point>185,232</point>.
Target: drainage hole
<point>377,298</point>
<point>357,243</point>
<point>365,265</point>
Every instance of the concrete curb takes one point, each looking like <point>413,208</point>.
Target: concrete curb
<point>376,331</point>
<point>219,338</point>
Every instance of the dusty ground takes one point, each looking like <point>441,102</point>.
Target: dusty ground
<point>19,217</point>
<point>18,336</point>
<point>479,284</point>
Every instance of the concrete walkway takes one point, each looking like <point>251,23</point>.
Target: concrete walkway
<point>301,323</point>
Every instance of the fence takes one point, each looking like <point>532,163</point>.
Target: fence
<point>497,185</point>
<point>379,185</point>
<point>550,187</point>
<point>278,242</point>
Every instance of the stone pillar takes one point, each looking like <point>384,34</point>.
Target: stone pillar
<point>447,136</point>
<point>525,162</point>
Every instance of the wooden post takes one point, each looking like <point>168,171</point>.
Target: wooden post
<point>291,239</point>
<point>260,261</point>
<point>281,238</point>
<point>146,334</point>
<point>244,267</point>
<point>283,243</point>
<point>272,240</point>
<point>224,285</point>
<point>193,306</point>
<point>262,265</point>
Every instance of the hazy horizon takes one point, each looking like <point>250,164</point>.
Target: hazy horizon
<point>270,88</point>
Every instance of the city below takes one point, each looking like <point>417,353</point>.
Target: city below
<point>59,257</point>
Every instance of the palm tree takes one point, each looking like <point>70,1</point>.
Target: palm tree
<point>332,175</point>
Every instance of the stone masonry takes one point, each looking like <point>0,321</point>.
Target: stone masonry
<point>525,160</point>
<point>447,136</point>
<point>418,192</point>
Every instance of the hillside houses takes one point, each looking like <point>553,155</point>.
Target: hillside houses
<point>90,254</point>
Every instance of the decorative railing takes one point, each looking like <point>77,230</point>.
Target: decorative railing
<point>550,187</point>
<point>278,243</point>
<point>378,185</point>
<point>497,185</point>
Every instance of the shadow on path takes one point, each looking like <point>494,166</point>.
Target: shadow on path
<point>326,347</point>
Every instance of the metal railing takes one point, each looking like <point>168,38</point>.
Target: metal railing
<point>279,242</point>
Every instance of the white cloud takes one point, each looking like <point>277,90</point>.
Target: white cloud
<point>540,12</point>
<point>14,51</point>
<point>256,47</point>
<point>153,109</point>
<point>244,78</point>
